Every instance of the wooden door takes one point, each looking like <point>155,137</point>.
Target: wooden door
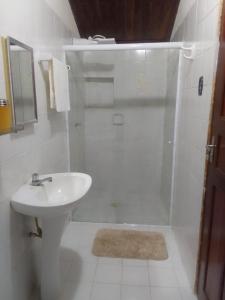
<point>211,284</point>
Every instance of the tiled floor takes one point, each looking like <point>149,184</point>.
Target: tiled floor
<point>86,277</point>
<point>101,206</point>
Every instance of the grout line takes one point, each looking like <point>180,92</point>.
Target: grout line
<point>179,291</point>
<point>149,276</point>
<point>121,289</point>
<point>93,281</point>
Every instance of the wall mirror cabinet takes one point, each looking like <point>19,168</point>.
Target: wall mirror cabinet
<point>18,105</point>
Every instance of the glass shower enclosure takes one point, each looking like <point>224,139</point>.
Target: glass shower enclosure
<point>122,131</point>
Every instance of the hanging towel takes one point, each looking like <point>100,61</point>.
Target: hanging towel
<point>51,85</point>
<point>58,85</point>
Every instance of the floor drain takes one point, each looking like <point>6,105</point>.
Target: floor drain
<point>115,204</point>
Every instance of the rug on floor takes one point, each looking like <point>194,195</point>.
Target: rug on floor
<point>130,244</point>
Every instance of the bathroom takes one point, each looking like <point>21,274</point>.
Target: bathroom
<point>142,116</point>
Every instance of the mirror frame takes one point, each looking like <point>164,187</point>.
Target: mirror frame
<point>20,126</point>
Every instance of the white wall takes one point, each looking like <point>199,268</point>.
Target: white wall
<point>134,72</point>
<point>41,147</point>
<point>198,23</point>
<point>184,8</point>
<point>63,10</point>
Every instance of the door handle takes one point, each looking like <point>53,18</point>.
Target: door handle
<point>210,149</point>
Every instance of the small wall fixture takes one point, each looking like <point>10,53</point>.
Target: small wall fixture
<point>191,52</point>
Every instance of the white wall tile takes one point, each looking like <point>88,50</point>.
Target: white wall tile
<point>63,10</point>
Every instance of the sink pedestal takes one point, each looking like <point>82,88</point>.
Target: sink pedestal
<point>52,230</point>
<point>51,203</point>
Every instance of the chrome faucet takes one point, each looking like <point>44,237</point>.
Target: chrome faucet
<point>36,181</point>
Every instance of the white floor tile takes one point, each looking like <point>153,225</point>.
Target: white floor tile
<point>187,294</point>
<point>182,278</point>
<point>110,261</point>
<point>167,263</point>
<point>64,269</point>
<point>86,255</point>
<point>82,291</point>
<point>102,291</point>
<point>108,273</point>
<point>159,293</point>
<point>163,277</point>
<point>135,262</point>
<point>71,238</point>
<point>129,292</point>
<point>177,262</point>
<point>83,273</point>
<point>135,275</point>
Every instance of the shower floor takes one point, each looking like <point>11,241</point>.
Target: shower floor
<point>86,277</point>
<point>132,209</point>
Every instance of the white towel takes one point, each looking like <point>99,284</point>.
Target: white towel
<point>59,85</point>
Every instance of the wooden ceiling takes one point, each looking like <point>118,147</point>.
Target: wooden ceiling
<point>126,20</point>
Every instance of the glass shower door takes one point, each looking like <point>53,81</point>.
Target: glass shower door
<point>125,104</point>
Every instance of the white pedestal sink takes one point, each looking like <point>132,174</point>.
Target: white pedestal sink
<point>51,202</point>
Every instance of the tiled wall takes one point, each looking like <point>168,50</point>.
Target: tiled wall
<point>197,21</point>
<point>41,147</point>
<point>63,10</point>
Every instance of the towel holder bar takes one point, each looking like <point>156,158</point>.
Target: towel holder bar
<point>48,60</point>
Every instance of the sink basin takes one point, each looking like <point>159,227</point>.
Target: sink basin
<point>52,198</point>
<point>51,203</point>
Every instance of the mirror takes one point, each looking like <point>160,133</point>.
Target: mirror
<point>21,65</point>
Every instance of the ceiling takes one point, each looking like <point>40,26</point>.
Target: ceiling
<point>126,20</point>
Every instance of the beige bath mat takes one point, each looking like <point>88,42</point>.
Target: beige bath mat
<point>130,244</point>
